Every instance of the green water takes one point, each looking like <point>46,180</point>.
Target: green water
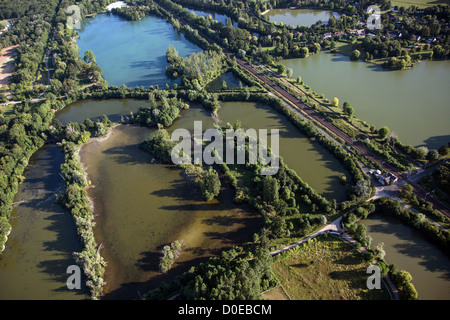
<point>43,237</point>
<point>231,80</point>
<point>300,17</point>
<point>313,163</point>
<point>132,52</point>
<point>95,109</point>
<point>411,251</point>
<point>141,206</point>
<point>412,103</point>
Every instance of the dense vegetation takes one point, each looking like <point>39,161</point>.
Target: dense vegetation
<point>22,133</point>
<point>76,202</point>
<point>161,112</point>
<point>237,274</point>
<point>198,68</point>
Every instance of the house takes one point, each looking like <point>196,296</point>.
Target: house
<point>361,32</point>
<point>327,35</point>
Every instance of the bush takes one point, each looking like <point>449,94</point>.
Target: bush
<point>210,184</point>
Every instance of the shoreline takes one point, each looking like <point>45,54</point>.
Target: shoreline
<point>6,240</point>
<point>84,166</point>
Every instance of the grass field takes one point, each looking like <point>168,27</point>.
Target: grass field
<point>418,3</point>
<point>326,269</point>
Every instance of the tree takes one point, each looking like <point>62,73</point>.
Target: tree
<point>433,155</point>
<point>355,55</point>
<point>210,184</point>
<point>3,98</point>
<point>421,152</point>
<point>383,132</point>
<point>304,51</point>
<point>379,251</point>
<point>270,189</point>
<point>335,102</point>
<point>348,110</point>
<point>362,188</point>
<point>406,191</point>
<point>281,69</point>
<point>443,150</point>
<point>289,72</point>
<point>89,56</point>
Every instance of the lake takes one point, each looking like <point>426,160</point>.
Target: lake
<point>412,103</point>
<point>141,206</point>
<point>132,52</point>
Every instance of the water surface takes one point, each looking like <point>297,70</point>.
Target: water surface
<point>141,206</point>
<point>132,52</point>
<point>312,162</point>
<point>39,249</point>
<point>412,103</point>
<point>300,17</point>
<point>95,109</point>
<point>410,250</point>
<point>214,16</point>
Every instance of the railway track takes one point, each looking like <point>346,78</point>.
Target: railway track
<point>326,124</point>
<point>319,119</point>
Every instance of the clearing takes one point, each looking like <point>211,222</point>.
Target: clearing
<point>326,268</point>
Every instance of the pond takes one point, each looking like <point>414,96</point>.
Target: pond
<point>231,81</point>
<point>300,17</point>
<point>214,16</point>
<point>312,162</point>
<point>132,52</point>
<point>95,109</point>
<point>410,250</point>
<point>412,103</point>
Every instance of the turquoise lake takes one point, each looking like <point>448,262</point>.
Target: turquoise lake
<point>132,52</point>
